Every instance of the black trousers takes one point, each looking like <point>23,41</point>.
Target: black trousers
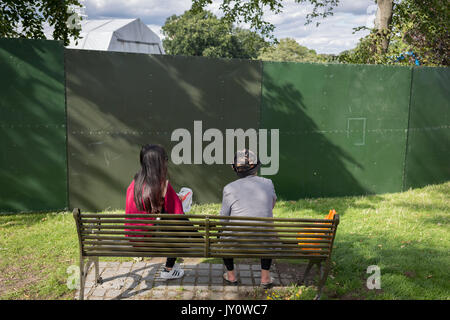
<point>229,263</point>
<point>170,262</point>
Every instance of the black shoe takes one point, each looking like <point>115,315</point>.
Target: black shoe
<point>233,283</point>
<point>267,285</point>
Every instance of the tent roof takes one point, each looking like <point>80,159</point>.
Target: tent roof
<point>110,25</point>
<point>128,35</point>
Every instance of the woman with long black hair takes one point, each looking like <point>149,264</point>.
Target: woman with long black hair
<point>151,193</point>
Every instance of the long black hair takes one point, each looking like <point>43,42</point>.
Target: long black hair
<point>150,180</point>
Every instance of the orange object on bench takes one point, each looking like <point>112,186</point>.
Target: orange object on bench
<point>330,216</point>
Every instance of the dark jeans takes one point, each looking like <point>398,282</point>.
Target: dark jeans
<point>229,264</point>
<point>170,262</point>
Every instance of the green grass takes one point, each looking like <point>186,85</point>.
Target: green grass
<point>405,234</point>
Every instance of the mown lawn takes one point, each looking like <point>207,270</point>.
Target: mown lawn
<point>405,234</point>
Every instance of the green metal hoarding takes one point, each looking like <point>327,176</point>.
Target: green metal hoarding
<point>32,126</point>
<point>428,153</point>
<point>118,102</point>
<point>342,127</point>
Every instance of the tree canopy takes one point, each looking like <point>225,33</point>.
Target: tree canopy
<point>415,29</point>
<point>252,11</point>
<point>26,19</point>
<point>203,34</point>
<point>418,34</point>
<point>290,50</point>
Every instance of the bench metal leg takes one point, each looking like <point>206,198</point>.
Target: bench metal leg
<point>322,272</point>
<point>323,275</point>
<point>82,278</point>
<point>84,269</point>
<point>308,269</point>
<point>98,279</point>
<point>311,263</point>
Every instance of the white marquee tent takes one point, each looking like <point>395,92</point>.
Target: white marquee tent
<point>126,35</point>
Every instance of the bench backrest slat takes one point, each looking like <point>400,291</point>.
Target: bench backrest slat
<point>204,236</point>
<point>194,217</point>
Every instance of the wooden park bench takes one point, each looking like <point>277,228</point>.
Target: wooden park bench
<point>204,236</point>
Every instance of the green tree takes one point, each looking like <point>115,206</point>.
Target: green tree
<point>418,26</point>
<point>26,19</point>
<point>290,50</point>
<point>250,43</point>
<point>253,11</point>
<point>422,27</point>
<point>203,34</point>
<point>366,52</point>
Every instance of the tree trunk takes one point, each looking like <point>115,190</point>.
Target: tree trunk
<point>383,22</point>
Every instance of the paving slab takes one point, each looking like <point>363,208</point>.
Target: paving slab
<point>137,279</point>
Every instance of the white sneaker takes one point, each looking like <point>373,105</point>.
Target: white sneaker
<point>172,274</point>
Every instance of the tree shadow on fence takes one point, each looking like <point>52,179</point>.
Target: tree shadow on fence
<point>118,102</point>
<point>310,164</point>
<point>32,126</point>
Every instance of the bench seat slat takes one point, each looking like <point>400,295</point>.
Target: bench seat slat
<point>262,251</point>
<point>142,233</point>
<point>142,249</point>
<point>200,255</point>
<point>123,227</point>
<point>141,254</point>
<point>90,244</point>
<point>140,244</point>
<point>143,239</point>
<point>244,240</point>
<point>269,256</point>
<point>274,245</point>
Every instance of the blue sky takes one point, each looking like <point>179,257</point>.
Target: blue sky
<point>334,35</point>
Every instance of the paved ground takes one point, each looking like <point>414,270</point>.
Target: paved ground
<point>140,280</point>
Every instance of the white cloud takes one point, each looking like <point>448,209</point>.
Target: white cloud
<point>150,11</point>
<point>334,34</point>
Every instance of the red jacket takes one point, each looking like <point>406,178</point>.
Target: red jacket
<point>172,204</point>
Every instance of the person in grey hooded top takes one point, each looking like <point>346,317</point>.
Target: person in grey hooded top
<point>249,196</point>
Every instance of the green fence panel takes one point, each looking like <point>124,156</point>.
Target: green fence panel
<point>342,127</point>
<point>428,152</point>
<point>33,175</point>
<point>118,102</point>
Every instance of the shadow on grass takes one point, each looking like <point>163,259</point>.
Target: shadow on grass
<point>421,207</point>
<point>321,206</point>
<point>15,220</point>
<point>409,270</point>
